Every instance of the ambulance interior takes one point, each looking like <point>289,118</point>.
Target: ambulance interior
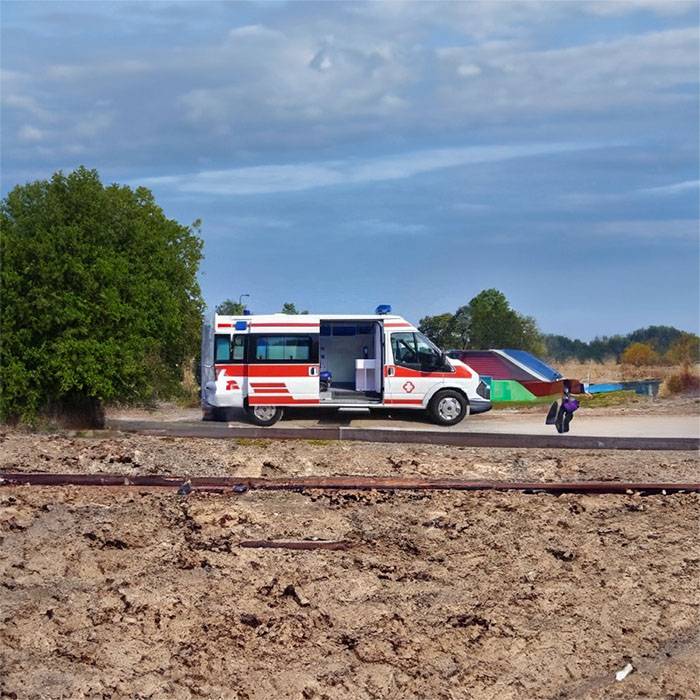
<point>350,355</point>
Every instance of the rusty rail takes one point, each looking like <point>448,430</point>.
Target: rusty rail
<point>334,545</point>
<point>238,485</point>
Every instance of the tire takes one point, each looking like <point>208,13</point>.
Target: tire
<point>264,415</point>
<point>448,407</point>
<point>215,413</point>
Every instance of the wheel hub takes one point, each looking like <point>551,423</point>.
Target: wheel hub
<point>449,408</point>
<point>264,412</point>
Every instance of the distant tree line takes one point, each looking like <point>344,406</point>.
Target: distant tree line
<point>665,342</point>
<point>488,321</point>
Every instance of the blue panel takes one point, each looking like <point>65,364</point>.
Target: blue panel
<point>241,325</point>
<point>603,388</point>
<point>533,363</point>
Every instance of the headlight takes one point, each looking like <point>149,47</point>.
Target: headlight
<point>484,390</point>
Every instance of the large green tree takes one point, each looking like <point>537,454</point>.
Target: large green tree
<point>229,307</point>
<point>487,321</point>
<point>98,295</point>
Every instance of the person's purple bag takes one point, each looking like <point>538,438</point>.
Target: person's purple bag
<point>570,405</point>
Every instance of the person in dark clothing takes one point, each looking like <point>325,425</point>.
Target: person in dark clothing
<point>562,415</point>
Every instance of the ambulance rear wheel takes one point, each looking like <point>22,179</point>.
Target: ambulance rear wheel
<point>447,407</point>
<point>264,415</point>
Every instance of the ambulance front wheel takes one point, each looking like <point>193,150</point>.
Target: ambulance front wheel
<point>447,407</point>
<point>264,415</point>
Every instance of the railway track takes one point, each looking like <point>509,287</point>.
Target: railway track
<point>238,485</point>
<point>388,435</point>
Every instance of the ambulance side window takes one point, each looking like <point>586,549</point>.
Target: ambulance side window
<point>222,348</point>
<point>283,348</point>
<point>238,348</point>
<point>403,345</point>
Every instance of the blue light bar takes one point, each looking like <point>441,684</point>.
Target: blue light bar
<point>383,309</point>
<point>247,312</point>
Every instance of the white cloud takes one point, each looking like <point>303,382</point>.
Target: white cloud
<point>30,134</point>
<point>627,71</point>
<point>675,188</point>
<point>267,179</point>
<point>379,227</point>
<point>254,31</point>
<point>609,8</point>
<point>647,229</point>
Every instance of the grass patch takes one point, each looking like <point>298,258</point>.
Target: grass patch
<point>608,398</point>
<point>253,442</point>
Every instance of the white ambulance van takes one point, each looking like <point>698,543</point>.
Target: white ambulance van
<point>264,363</point>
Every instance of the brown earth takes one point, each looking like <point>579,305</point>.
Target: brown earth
<point>132,454</point>
<point>484,595</point>
<point>138,594</point>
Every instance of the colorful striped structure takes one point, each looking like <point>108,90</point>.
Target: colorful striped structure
<point>515,376</point>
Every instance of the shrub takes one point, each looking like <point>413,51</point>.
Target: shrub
<point>639,355</point>
<point>685,350</point>
<point>684,382</point>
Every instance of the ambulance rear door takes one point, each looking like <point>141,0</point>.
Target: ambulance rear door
<point>283,362</point>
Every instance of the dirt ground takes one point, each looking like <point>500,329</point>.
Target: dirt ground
<point>132,454</point>
<point>146,594</point>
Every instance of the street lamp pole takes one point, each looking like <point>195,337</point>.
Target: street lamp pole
<point>240,298</point>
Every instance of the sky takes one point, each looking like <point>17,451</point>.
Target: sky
<point>343,155</point>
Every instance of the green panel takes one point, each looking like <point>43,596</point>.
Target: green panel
<point>510,390</point>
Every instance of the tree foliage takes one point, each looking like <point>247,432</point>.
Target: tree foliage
<point>639,355</point>
<point>660,338</point>
<point>99,295</point>
<point>229,307</point>
<point>290,308</point>
<point>487,321</point>
<point>685,350</point>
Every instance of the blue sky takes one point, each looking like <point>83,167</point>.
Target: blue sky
<point>342,155</point>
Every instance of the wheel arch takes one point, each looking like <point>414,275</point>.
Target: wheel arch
<point>443,387</point>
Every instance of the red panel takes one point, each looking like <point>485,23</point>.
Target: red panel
<point>230,370</point>
<point>280,401</point>
<point>413,402</point>
<point>460,372</point>
<point>279,370</point>
<point>224,325</point>
<point>544,388</point>
<point>493,366</point>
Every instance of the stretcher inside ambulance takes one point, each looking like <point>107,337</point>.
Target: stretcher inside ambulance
<point>265,363</point>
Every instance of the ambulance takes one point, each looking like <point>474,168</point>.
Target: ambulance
<point>266,363</point>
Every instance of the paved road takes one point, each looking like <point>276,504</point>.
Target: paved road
<point>662,426</point>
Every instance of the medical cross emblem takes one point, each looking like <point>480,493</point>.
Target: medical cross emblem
<point>408,387</point>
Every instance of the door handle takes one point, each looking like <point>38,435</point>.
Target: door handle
<point>313,371</point>
<point>390,371</point>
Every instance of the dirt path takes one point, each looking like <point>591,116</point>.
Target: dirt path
<point>134,454</point>
<point>442,596</point>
